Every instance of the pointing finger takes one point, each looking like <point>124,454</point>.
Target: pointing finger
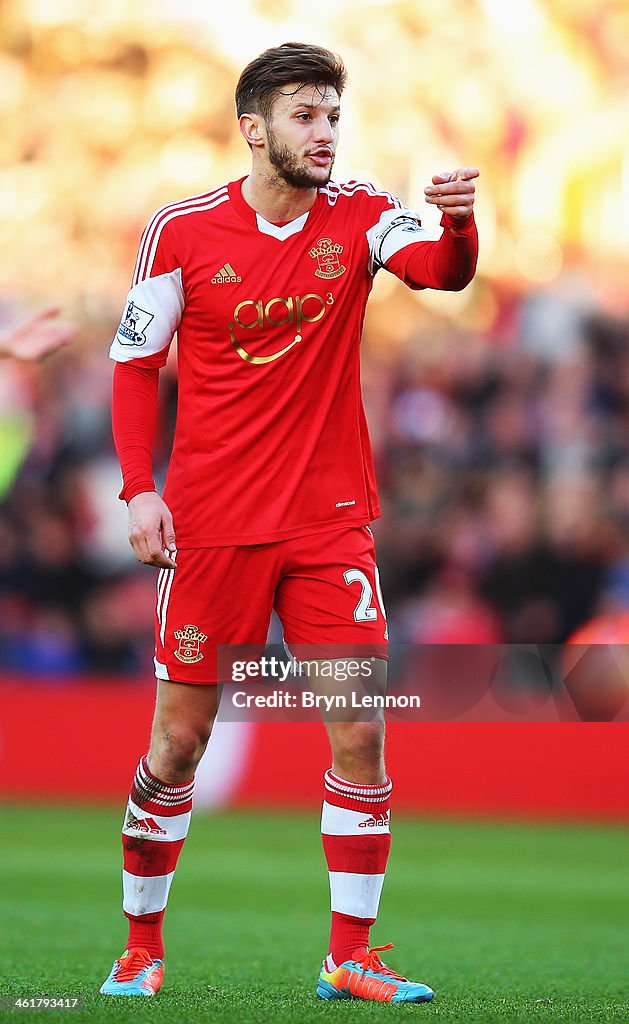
<point>466,173</point>
<point>438,179</point>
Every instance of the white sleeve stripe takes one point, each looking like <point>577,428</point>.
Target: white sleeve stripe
<point>148,264</point>
<point>348,188</point>
<point>342,190</point>
<point>334,190</point>
<point>190,201</point>
<point>185,205</point>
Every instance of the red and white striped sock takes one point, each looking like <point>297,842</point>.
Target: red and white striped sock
<point>155,827</point>
<point>356,841</point>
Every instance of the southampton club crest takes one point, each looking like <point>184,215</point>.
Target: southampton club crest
<point>190,639</point>
<point>327,254</point>
<point>133,325</point>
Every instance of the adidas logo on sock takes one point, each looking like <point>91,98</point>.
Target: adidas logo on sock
<point>378,820</point>
<point>226,275</point>
<point>148,825</point>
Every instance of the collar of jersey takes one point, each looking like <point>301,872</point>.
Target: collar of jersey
<point>265,227</point>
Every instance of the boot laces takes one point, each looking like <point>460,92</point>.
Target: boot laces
<point>130,965</point>
<point>372,962</point>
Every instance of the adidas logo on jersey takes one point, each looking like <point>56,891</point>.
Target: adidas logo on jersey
<point>226,275</point>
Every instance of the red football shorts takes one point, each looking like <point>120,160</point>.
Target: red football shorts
<point>324,587</point>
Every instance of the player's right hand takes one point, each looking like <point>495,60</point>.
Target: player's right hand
<point>151,532</point>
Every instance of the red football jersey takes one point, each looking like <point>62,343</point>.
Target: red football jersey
<point>271,439</point>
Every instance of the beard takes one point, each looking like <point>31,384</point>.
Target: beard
<point>293,171</point>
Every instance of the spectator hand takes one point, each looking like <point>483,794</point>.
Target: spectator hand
<point>35,338</point>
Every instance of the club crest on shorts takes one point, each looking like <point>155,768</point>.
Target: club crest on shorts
<point>327,253</point>
<point>190,639</point>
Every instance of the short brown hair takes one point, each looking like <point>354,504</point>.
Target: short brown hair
<point>263,78</point>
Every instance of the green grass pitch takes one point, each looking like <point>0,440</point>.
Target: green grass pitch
<point>508,922</point>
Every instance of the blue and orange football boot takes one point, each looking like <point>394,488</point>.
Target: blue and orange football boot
<point>135,973</point>
<point>366,977</point>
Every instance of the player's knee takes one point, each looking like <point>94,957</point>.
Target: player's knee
<point>180,748</point>
<point>360,742</point>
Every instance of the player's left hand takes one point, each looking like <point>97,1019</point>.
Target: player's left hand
<point>453,192</point>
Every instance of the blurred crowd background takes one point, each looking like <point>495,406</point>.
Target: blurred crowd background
<point>499,416</point>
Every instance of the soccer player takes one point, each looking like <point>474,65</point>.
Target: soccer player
<point>270,487</point>
<point>35,338</point>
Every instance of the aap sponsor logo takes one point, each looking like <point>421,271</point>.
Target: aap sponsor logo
<point>264,320</point>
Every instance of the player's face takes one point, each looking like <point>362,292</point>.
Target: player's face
<point>302,135</point>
